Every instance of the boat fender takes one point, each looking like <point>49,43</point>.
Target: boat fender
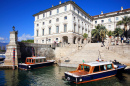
<point>29,66</point>
<point>68,78</point>
<point>80,80</point>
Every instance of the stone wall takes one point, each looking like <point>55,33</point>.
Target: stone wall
<point>28,49</point>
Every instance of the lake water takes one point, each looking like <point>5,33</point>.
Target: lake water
<point>52,76</point>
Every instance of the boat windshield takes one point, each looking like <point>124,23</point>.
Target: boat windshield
<point>86,68</point>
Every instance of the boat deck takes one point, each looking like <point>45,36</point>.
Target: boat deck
<point>79,73</point>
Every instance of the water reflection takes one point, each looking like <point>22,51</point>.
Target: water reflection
<point>52,76</point>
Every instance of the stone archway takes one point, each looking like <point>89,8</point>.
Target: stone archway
<point>74,40</point>
<point>82,41</point>
<point>65,39</point>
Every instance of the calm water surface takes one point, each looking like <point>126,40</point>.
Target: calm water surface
<point>52,76</point>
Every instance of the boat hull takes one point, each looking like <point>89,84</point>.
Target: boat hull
<point>90,77</point>
<point>34,66</point>
<point>1,58</point>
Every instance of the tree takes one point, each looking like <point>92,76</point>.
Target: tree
<point>118,32</point>
<point>85,35</point>
<point>96,32</point>
<point>28,41</point>
<point>124,21</point>
<point>103,32</point>
<point>110,33</point>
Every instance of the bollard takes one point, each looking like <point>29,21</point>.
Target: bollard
<point>13,58</point>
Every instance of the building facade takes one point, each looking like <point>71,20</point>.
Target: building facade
<point>109,20</point>
<point>67,22</point>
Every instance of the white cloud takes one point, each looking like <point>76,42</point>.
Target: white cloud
<point>1,38</point>
<point>25,37</point>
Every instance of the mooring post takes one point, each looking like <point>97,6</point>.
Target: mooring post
<point>13,58</point>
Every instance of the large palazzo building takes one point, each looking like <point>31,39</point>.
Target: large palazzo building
<point>67,22</point>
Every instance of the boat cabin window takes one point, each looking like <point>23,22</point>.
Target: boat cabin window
<point>44,60</point>
<point>81,67</point>
<point>36,60</point>
<point>86,68</point>
<point>102,67</point>
<point>96,69</point>
<point>32,60</point>
<point>29,60</point>
<point>109,66</point>
<point>41,60</point>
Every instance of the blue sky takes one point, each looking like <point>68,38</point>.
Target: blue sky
<point>19,13</point>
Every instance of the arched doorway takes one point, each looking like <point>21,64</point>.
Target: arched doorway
<point>74,40</point>
<point>65,39</point>
<point>82,41</point>
<point>79,40</point>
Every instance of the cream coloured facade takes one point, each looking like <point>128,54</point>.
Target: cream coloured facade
<point>67,22</point>
<point>109,20</point>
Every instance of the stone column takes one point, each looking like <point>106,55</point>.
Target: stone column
<point>76,40</point>
<point>9,50</point>
<point>70,39</point>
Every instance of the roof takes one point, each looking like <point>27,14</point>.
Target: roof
<point>37,57</point>
<point>105,14</point>
<point>98,63</point>
<point>62,4</point>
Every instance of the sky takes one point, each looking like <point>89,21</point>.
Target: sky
<point>19,13</point>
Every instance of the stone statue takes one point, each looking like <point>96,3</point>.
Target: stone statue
<point>13,28</point>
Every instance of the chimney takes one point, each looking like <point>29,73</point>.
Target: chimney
<point>52,5</point>
<point>101,12</point>
<point>60,2</point>
<point>121,8</point>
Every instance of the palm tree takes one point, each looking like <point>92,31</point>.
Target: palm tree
<point>103,32</point>
<point>124,21</point>
<point>118,32</point>
<point>96,32</point>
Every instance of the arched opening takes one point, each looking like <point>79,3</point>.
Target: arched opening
<point>74,40</point>
<point>78,40</point>
<point>65,39</point>
<point>82,41</point>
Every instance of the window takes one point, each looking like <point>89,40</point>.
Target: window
<point>43,32</point>
<point>50,30</point>
<point>74,8</point>
<point>117,18</point>
<point>42,41</point>
<point>102,67</point>
<point>50,12</point>
<point>56,39</point>
<point>95,22</point>
<point>109,20</point>
<point>65,17</point>
<point>109,66</point>
<point>109,26</point>
<point>78,11</point>
<point>65,27</point>
<point>65,8</point>
<point>43,23</point>
<point>36,60</point>
<point>57,19</point>
<point>96,69</point>
<point>102,21</point>
<point>41,60</point>
<point>86,68</point>
<point>49,40</point>
<point>49,21</point>
<point>37,25</point>
<point>74,28</point>
<point>57,29</point>
<point>43,15</point>
<point>37,32</point>
<point>74,18</point>
<point>58,10</point>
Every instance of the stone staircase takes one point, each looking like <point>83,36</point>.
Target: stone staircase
<point>90,52</point>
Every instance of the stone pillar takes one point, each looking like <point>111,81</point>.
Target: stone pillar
<point>70,39</point>
<point>9,50</point>
<point>76,40</point>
